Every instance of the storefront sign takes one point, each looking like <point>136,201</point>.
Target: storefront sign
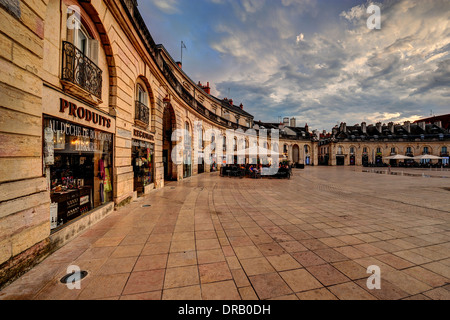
<point>143,135</point>
<point>84,114</point>
<point>77,131</point>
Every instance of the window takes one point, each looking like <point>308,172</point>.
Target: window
<point>142,95</point>
<point>187,135</point>
<point>409,150</point>
<point>187,154</point>
<point>352,150</point>
<point>78,34</point>
<point>201,143</point>
<point>425,150</point>
<point>444,150</point>
<point>393,151</point>
<point>80,60</point>
<point>142,113</point>
<point>79,160</point>
<point>378,150</point>
<point>365,150</point>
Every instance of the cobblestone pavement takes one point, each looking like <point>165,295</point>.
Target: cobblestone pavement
<point>311,237</point>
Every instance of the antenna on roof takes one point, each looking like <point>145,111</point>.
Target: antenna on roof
<point>183,46</point>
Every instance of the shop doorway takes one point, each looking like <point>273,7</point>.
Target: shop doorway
<point>169,125</point>
<point>365,160</point>
<point>143,164</point>
<point>340,160</point>
<point>296,154</point>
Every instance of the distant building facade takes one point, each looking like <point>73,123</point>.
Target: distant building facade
<point>363,144</point>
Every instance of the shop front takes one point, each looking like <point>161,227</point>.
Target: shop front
<point>78,144</point>
<point>78,164</point>
<point>143,157</point>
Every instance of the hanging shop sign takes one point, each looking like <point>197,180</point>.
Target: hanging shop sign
<point>84,114</point>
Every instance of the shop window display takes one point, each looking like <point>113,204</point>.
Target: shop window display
<point>78,166</point>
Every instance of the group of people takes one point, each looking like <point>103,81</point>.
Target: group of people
<point>255,170</point>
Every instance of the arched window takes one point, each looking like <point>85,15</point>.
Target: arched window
<point>187,135</point>
<point>409,151</point>
<point>142,114</point>
<point>200,139</point>
<point>79,36</point>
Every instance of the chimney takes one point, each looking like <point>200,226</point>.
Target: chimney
<point>379,127</point>
<point>306,128</point>
<point>231,101</point>
<point>343,127</point>
<point>241,106</point>
<point>180,65</point>
<point>286,121</point>
<point>391,127</point>
<point>364,128</point>
<point>293,122</point>
<point>206,88</point>
<point>407,126</point>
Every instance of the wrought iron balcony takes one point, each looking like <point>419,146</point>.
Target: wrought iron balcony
<point>142,113</point>
<point>78,69</point>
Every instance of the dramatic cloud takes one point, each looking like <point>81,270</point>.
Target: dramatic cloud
<point>317,60</point>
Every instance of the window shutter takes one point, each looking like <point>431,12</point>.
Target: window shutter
<point>70,35</point>
<point>93,50</point>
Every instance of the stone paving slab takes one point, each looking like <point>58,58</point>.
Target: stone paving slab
<point>310,238</point>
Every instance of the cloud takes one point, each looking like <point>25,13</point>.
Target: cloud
<point>167,6</point>
<point>317,60</point>
<point>347,72</point>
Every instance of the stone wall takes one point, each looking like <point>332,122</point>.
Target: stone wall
<point>24,198</point>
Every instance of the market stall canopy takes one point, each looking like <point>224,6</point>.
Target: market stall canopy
<point>399,157</point>
<point>427,157</point>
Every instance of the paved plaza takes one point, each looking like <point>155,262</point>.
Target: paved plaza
<point>310,237</point>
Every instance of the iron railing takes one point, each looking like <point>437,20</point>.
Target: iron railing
<point>142,113</point>
<point>80,70</point>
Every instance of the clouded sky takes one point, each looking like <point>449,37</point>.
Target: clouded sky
<point>315,60</point>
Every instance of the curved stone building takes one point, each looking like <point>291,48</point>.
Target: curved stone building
<point>94,114</point>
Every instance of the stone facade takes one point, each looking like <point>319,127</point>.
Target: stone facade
<point>372,144</point>
<point>135,89</point>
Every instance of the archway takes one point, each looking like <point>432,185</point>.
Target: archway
<point>295,154</point>
<point>187,151</point>
<point>169,125</point>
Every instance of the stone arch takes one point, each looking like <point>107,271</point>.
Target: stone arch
<point>295,153</point>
